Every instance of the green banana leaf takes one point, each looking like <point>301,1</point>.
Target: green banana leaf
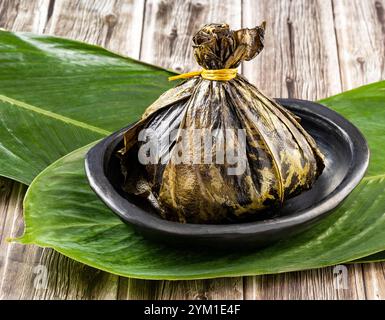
<point>80,226</point>
<point>57,95</point>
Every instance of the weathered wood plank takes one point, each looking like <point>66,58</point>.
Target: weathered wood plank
<point>22,15</point>
<point>300,57</point>
<point>374,275</point>
<point>170,25</point>
<point>6,200</point>
<point>222,288</point>
<point>113,24</point>
<point>6,186</point>
<point>360,30</point>
<point>322,284</point>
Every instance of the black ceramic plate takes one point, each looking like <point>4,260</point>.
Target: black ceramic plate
<point>347,157</point>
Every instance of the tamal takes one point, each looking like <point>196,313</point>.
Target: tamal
<point>214,149</point>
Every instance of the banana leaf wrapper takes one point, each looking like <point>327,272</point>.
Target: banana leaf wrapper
<point>281,158</point>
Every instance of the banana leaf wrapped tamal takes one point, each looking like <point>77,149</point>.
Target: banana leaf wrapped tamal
<point>280,158</point>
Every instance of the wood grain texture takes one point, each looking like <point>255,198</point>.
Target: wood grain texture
<point>374,275</point>
<point>360,32</point>
<point>113,24</point>
<point>307,285</point>
<point>314,48</point>
<point>300,57</point>
<point>223,288</point>
<point>169,26</point>
<point>21,15</point>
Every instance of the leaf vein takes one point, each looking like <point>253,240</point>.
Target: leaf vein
<point>53,115</point>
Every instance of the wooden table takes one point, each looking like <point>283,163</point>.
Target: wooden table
<point>314,49</point>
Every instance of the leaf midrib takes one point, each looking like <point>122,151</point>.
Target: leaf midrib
<point>375,177</point>
<point>53,115</point>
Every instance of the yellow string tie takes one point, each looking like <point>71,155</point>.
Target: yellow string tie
<point>219,75</point>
